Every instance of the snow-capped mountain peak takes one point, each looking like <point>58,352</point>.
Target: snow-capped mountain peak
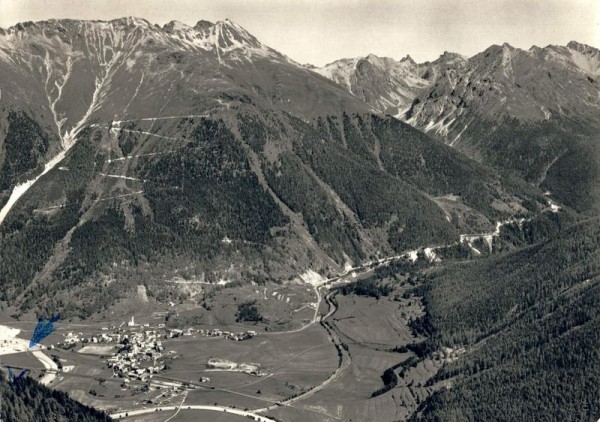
<point>73,66</point>
<point>226,38</point>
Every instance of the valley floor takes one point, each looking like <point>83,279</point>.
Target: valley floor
<point>325,364</point>
<point>325,367</point>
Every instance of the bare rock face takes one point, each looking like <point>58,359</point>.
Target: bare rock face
<point>388,85</point>
<point>535,112</point>
<point>506,82</point>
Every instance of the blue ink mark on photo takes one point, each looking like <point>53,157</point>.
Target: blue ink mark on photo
<point>42,330</point>
<point>12,376</point>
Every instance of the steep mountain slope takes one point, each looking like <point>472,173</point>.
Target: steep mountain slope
<point>523,330</point>
<point>504,83</point>
<point>389,86</point>
<point>137,151</point>
<point>447,62</point>
<point>67,74</point>
<point>534,112</point>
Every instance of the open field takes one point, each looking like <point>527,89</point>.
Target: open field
<point>381,323</point>
<point>291,362</point>
<point>22,360</point>
<point>225,398</point>
<point>290,355</point>
<point>371,328</point>
<point>350,396</point>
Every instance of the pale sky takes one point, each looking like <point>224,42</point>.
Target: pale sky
<point>320,31</point>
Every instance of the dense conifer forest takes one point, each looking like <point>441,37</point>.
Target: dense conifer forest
<point>525,325</point>
<point>24,400</point>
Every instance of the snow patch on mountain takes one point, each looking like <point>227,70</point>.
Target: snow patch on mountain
<point>20,190</point>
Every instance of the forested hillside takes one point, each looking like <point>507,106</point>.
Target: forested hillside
<point>524,326</point>
<point>24,400</point>
<point>257,187</point>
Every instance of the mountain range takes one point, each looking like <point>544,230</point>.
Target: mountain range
<point>137,155</point>
<point>532,112</point>
<point>127,145</point>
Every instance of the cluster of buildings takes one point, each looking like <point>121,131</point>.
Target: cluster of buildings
<point>115,334</point>
<point>72,339</point>
<point>215,332</point>
<point>140,356</point>
<point>140,352</point>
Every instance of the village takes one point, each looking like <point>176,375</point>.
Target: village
<point>136,351</point>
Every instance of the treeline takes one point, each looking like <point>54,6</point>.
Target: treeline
<point>248,312</point>
<point>300,191</point>
<point>375,196</point>
<point>430,166</point>
<point>528,148</point>
<point>390,378</point>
